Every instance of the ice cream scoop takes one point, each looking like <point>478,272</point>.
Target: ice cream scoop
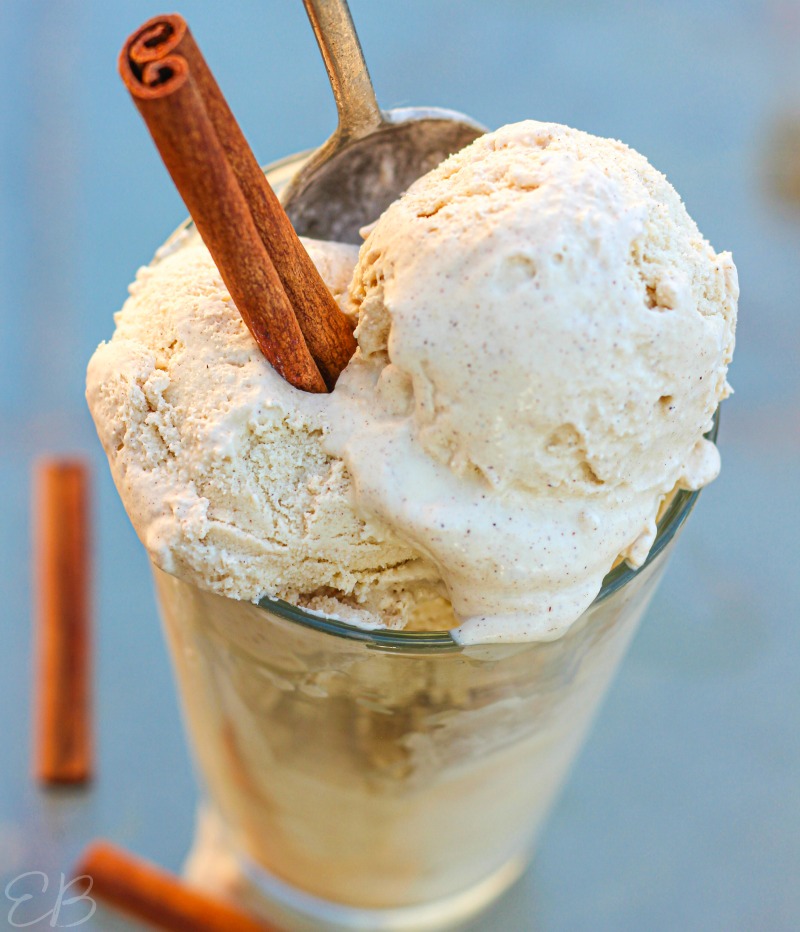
<point>544,337</point>
<point>373,155</point>
<point>218,459</point>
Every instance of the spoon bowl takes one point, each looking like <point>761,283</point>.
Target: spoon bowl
<point>373,155</point>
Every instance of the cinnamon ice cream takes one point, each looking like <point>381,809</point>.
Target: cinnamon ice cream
<point>544,337</point>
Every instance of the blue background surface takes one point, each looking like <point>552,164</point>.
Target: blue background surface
<point>683,811</point>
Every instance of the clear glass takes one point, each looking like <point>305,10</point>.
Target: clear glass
<point>382,780</point>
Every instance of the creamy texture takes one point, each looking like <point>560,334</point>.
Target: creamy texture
<point>219,461</point>
<point>544,338</point>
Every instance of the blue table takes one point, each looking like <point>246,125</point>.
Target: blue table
<point>683,811</point>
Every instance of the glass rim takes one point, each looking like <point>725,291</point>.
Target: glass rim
<point>670,523</point>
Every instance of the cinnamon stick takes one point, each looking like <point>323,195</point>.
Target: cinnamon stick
<point>157,61</point>
<point>62,728</point>
<point>168,100</point>
<point>150,893</point>
<point>327,331</point>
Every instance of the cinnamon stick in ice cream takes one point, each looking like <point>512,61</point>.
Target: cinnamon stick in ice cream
<point>327,331</point>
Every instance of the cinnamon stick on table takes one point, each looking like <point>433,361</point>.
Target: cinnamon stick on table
<point>62,731</point>
<point>276,287</point>
<point>156,896</point>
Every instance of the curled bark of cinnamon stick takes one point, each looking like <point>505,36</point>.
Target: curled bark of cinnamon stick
<point>167,98</point>
<point>148,60</point>
<point>328,333</point>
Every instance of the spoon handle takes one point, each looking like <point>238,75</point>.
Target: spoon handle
<point>358,108</point>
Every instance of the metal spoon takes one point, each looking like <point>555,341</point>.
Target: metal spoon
<point>374,155</point>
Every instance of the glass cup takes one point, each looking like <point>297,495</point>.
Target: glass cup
<point>382,780</point>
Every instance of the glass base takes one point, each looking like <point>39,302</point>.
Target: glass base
<point>213,866</point>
